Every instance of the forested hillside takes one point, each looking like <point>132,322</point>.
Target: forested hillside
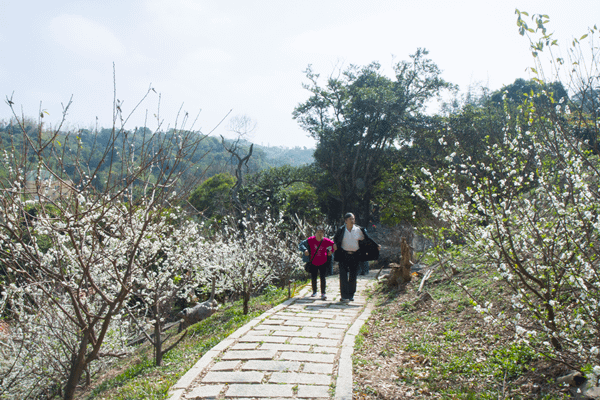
<point>210,158</point>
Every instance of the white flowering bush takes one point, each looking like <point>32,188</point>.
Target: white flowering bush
<point>174,253</point>
<point>73,253</point>
<point>530,208</point>
<point>252,254</point>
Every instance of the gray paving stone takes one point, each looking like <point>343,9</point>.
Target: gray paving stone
<point>285,347</point>
<point>226,365</point>
<point>309,315</point>
<point>310,357</point>
<point>339,326</point>
<point>294,377</point>
<point>233,377</point>
<point>323,349</point>
<point>313,392</point>
<point>302,333</point>
<point>262,332</point>
<point>306,323</point>
<point>276,327</point>
<point>318,305</point>
<point>329,314</point>
<point>324,320</point>
<point>250,355</point>
<point>258,339</point>
<point>176,394</point>
<point>325,332</point>
<point>315,342</point>
<point>238,390</point>
<point>223,345</point>
<point>284,318</point>
<point>272,321</point>
<point>245,346</point>
<point>265,365</point>
<point>318,368</point>
<point>205,392</point>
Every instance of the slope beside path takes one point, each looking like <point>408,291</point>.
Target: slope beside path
<point>300,349</point>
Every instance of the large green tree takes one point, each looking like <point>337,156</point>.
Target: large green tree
<point>359,115</point>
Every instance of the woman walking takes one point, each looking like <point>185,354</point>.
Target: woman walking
<point>319,247</point>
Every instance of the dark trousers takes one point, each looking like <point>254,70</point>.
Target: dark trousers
<point>348,272</point>
<point>363,267</point>
<point>321,270</point>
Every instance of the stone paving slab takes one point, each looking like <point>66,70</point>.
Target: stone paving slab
<point>289,352</point>
<point>276,327</point>
<point>315,342</point>
<point>322,349</point>
<point>312,357</point>
<point>313,392</point>
<point>306,323</point>
<point>272,321</point>
<point>285,347</point>
<point>235,377</point>
<point>272,365</point>
<point>315,368</point>
<point>226,365</point>
<point>302,333</point>
<point>249,355</point>
<point>293,377</point>
<point>237,390</point>
<point>258,339</point>
<point>245,346</point>
<point>205,392</point>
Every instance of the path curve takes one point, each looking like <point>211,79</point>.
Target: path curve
<point>301,349</point>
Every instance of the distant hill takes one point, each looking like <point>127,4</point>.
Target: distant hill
<point>211,157</point>
<point>278,156</point>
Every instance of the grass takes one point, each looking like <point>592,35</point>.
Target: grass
<point>443,350</point>
<point>137,377</point>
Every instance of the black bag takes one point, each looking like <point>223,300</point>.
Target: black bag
<point>307,267</point>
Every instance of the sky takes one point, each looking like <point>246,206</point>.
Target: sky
<point>223,59</point>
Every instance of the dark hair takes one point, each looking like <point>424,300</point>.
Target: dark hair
<point>348,215</point>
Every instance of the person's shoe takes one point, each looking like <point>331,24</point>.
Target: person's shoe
<point>323,296</point>
<point>351,299</point>
<point>344,300</point>
<point>314,294</point>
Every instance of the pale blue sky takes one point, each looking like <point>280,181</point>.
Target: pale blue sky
<point>247,55</point>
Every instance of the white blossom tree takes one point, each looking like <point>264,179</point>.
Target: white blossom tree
<point>532,211</point>
<point>251,258</point>
<point>71,258</point>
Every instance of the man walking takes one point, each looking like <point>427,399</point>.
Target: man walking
<point>352,241</point>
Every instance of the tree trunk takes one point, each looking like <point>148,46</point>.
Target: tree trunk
<point>406,260</point>
<point>158,353</point>
<point>246,302</point>
<point>401,273</point>
<point>77,367</point>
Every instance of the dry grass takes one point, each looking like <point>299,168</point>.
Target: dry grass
<point>442,349</point>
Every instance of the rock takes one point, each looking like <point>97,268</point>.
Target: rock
<point>197,313</point>
<point>574,378</point>
<point>587,391</point>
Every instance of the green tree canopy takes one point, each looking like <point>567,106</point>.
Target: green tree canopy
<point>212,197</point>
<point>358,116</point>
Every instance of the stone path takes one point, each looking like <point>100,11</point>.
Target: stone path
<point>301,349</point>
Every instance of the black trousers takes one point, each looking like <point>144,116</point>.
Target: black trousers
<point>321,270</point>
<point>348,273</point>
